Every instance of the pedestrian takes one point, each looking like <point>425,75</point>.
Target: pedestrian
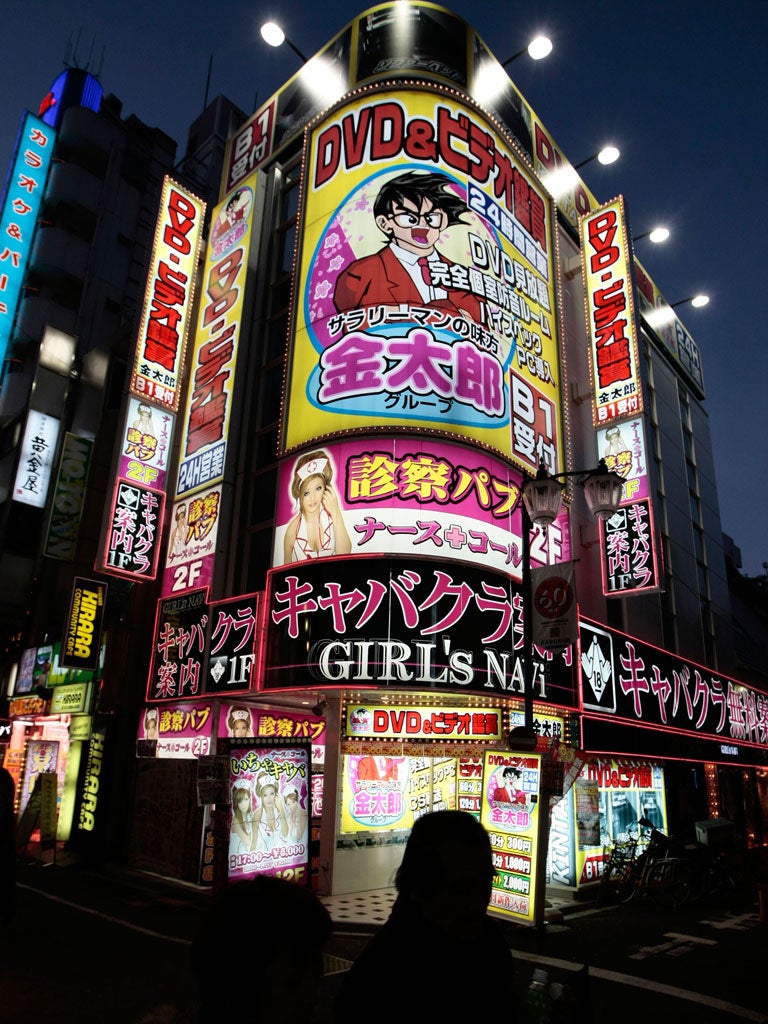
<point>257,957</point>
<point>7,846</point>
<point>439,955</point>
<point>279,929</point>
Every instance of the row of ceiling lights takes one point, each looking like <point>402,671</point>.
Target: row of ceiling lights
<point>538,48</point>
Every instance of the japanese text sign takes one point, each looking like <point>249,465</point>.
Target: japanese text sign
<point>457,628</point>
<point>406,722</point>
<point>18,217</point>
<point>205,422</point>
<point>381,338</point>
<point>631,680</point>
<point>179,646</point>
<point>168,299</point>
<point>417,496</point>
<point>610,313</point>
<point>510,813</point>
<point>33,474</point>
<point>629,560</point>
<point>233,645</point>
<point>133,531</point>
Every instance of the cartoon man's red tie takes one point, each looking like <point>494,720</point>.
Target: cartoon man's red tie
<point>425,272</point>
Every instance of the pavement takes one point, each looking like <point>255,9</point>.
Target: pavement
<point>86,929</point>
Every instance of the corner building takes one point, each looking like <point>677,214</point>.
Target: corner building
<point>409,301</point>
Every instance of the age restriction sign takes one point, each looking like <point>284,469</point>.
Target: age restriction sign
<point>554,621</point>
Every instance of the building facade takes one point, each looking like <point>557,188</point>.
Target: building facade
<point>407,303</point>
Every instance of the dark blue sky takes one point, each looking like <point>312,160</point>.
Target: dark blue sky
<point>680,86</point>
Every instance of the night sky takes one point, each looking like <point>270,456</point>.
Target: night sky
<point>680,87</point>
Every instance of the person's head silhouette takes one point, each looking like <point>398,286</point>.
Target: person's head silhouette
<point>283,978</point>
<point>447,870</point>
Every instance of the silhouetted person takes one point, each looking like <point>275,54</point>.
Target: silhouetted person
<point>439,956</point>
<point>257,958</point>
<point>7,847</point>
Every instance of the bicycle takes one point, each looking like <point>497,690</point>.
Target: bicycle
<point>617,865</point>
<point>652,872</point>
<point>658,873</point>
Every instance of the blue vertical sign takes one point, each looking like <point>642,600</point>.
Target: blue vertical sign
<point>18,219</point>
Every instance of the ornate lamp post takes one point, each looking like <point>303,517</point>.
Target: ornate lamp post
<point>542,497</point>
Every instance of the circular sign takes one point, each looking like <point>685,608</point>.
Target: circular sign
<point>553,597</point>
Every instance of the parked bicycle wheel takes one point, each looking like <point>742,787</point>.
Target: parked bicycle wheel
<point>668,882</point>
<point>617,881</point>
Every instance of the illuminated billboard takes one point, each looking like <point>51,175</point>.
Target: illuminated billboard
<point>426,285</point>
<point>181,730</point>
<point>132,544</point>
<point>404,623</point>
<point>270,801</point>
<point>407,495</point>
<point>19,214</point>
<point>82,637</point>
<point>629,555</point>
<point>610,314</point>
<point>146,441</point>
<point>191,551</point>
<point>68,497</point>
<point>624,679</point>
<point>33,474</point>
<point>213,360</point>
<point>511,809</point>
<point>179,647</point>
<point>159,358</point>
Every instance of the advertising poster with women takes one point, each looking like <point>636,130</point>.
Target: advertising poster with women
<point>420,496</point>
<point>510,813</point>
<point>426,281</point>
<point>271,802</point>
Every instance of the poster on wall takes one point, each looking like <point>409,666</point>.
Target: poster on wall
<point>374,793</point>
<point>510,813</point>
<point>42,757</point>
<point>587,813</point>
<point>270,806</point>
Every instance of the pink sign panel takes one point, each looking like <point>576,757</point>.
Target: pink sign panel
<point>180,730</point>
<point>414,496</point>
<point>146,443</point>
<point>242,721</point>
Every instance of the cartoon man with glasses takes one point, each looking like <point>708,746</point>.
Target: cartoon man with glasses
<point>412,210</point>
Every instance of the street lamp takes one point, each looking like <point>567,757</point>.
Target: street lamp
<point>538,48</point>
<point>542,497</point>
<point>272,33</point>
<point>695,300</point>
<point>656,235</point>
<point>606,155</point>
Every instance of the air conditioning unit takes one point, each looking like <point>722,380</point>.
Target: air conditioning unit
<point>714,832</point>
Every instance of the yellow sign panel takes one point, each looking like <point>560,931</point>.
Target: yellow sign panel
<point>425,285</point>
